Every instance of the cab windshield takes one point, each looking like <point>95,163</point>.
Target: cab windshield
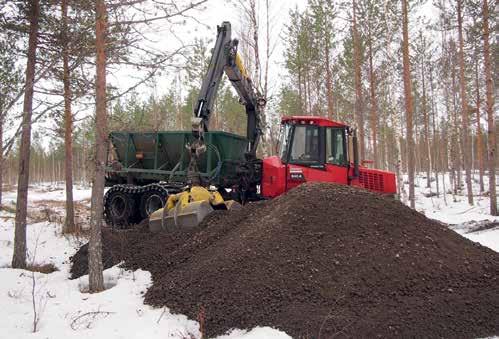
<point>312,145</point>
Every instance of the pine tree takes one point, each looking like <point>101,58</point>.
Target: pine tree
<point>491,131</point>
<point>95,267</point>
<point>323,13</point>
<point>464,106</point>
<point>359,116</point>
<point>19,256</point>
<point>10,83</point>
<point>69,225</point>
<point>409,108</point>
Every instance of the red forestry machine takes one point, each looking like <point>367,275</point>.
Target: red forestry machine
<point>310,148</point>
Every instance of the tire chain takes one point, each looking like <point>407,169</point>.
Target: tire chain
<point>134,190</point>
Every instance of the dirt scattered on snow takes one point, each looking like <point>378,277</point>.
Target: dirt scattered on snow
<point>477,226</point>
<point>321,261</point>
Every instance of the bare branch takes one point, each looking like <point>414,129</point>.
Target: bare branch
<point>180,12</point>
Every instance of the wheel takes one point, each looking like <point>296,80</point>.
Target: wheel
<point>151,201</point>
<point>119,208</point>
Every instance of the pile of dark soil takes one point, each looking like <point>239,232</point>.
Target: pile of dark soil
<point>322,261</point>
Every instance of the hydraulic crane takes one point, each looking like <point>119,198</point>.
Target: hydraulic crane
<point>225,59</point>
<point>188,208</point>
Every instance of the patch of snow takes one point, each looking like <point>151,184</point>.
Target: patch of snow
<point>447,207</point>
<point>256,333</point>
<point>48,192</point>
<point>486,238</point>
<point>453,209</point>
<point>44,242</point>
<point>67,311</point>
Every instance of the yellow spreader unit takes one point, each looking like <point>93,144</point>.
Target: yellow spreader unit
<point>187,209</point>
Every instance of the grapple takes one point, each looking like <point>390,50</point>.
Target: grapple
<point>187,209</point>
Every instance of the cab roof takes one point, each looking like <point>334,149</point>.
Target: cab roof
<point>314,120</point>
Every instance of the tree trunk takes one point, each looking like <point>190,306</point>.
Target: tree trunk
<point>373,115</point>
<point>417,152</point>
<point>456,136</point>
<point>267,50</point>
<point>96,279</point>
<point>464,106</point>
<point>479,141</point>
<point>253,21</point>
<point>408,103</point>
<point>446,161</point>
<point>268,53</point>
<point>2,160</point>
<point>359,118</point>
<point>19,257</point>
<point>491,131</point>
<point>69,225</point>
<point>300,92</point>
<point>84,162</point>
<point>436,143</point>
<point>329,79</point>
<point>426,121</point>
<point>309,93</point>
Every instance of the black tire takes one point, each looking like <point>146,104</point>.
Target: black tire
<point>119,209</point>
<point>152,200</point>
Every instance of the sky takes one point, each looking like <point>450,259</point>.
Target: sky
<point>214,12</point>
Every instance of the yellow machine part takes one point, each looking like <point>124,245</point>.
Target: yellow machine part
<point>196,193</point>
<point>187,209</point>
<point>240,66</point>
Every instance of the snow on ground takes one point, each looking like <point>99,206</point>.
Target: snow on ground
<point>67,312</point>
<point>119,312</point>
<point>455,210</point>
<point>489,238</point>
<point>49,191</point>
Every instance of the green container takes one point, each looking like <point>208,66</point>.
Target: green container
<point>162,156</point>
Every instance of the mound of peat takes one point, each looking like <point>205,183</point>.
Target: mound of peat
<point>322,261</point>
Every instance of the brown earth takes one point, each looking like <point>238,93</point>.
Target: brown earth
<point>321,261</point>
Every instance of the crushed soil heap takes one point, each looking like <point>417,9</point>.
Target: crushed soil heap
<point>322,260</point>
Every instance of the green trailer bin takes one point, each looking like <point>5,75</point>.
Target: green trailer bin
<point>147,157</point>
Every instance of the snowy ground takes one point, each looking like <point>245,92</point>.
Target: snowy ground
<point>48,192</point>
<point>66,311</point>
<point>454,210</point>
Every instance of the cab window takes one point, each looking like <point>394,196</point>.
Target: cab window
<point>284,141</point>
<point>335,146</point>
<point>305,145</point>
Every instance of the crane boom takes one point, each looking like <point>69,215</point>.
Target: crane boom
<point>226,59</point>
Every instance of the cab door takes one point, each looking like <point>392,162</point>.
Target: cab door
<point>336,159</point>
